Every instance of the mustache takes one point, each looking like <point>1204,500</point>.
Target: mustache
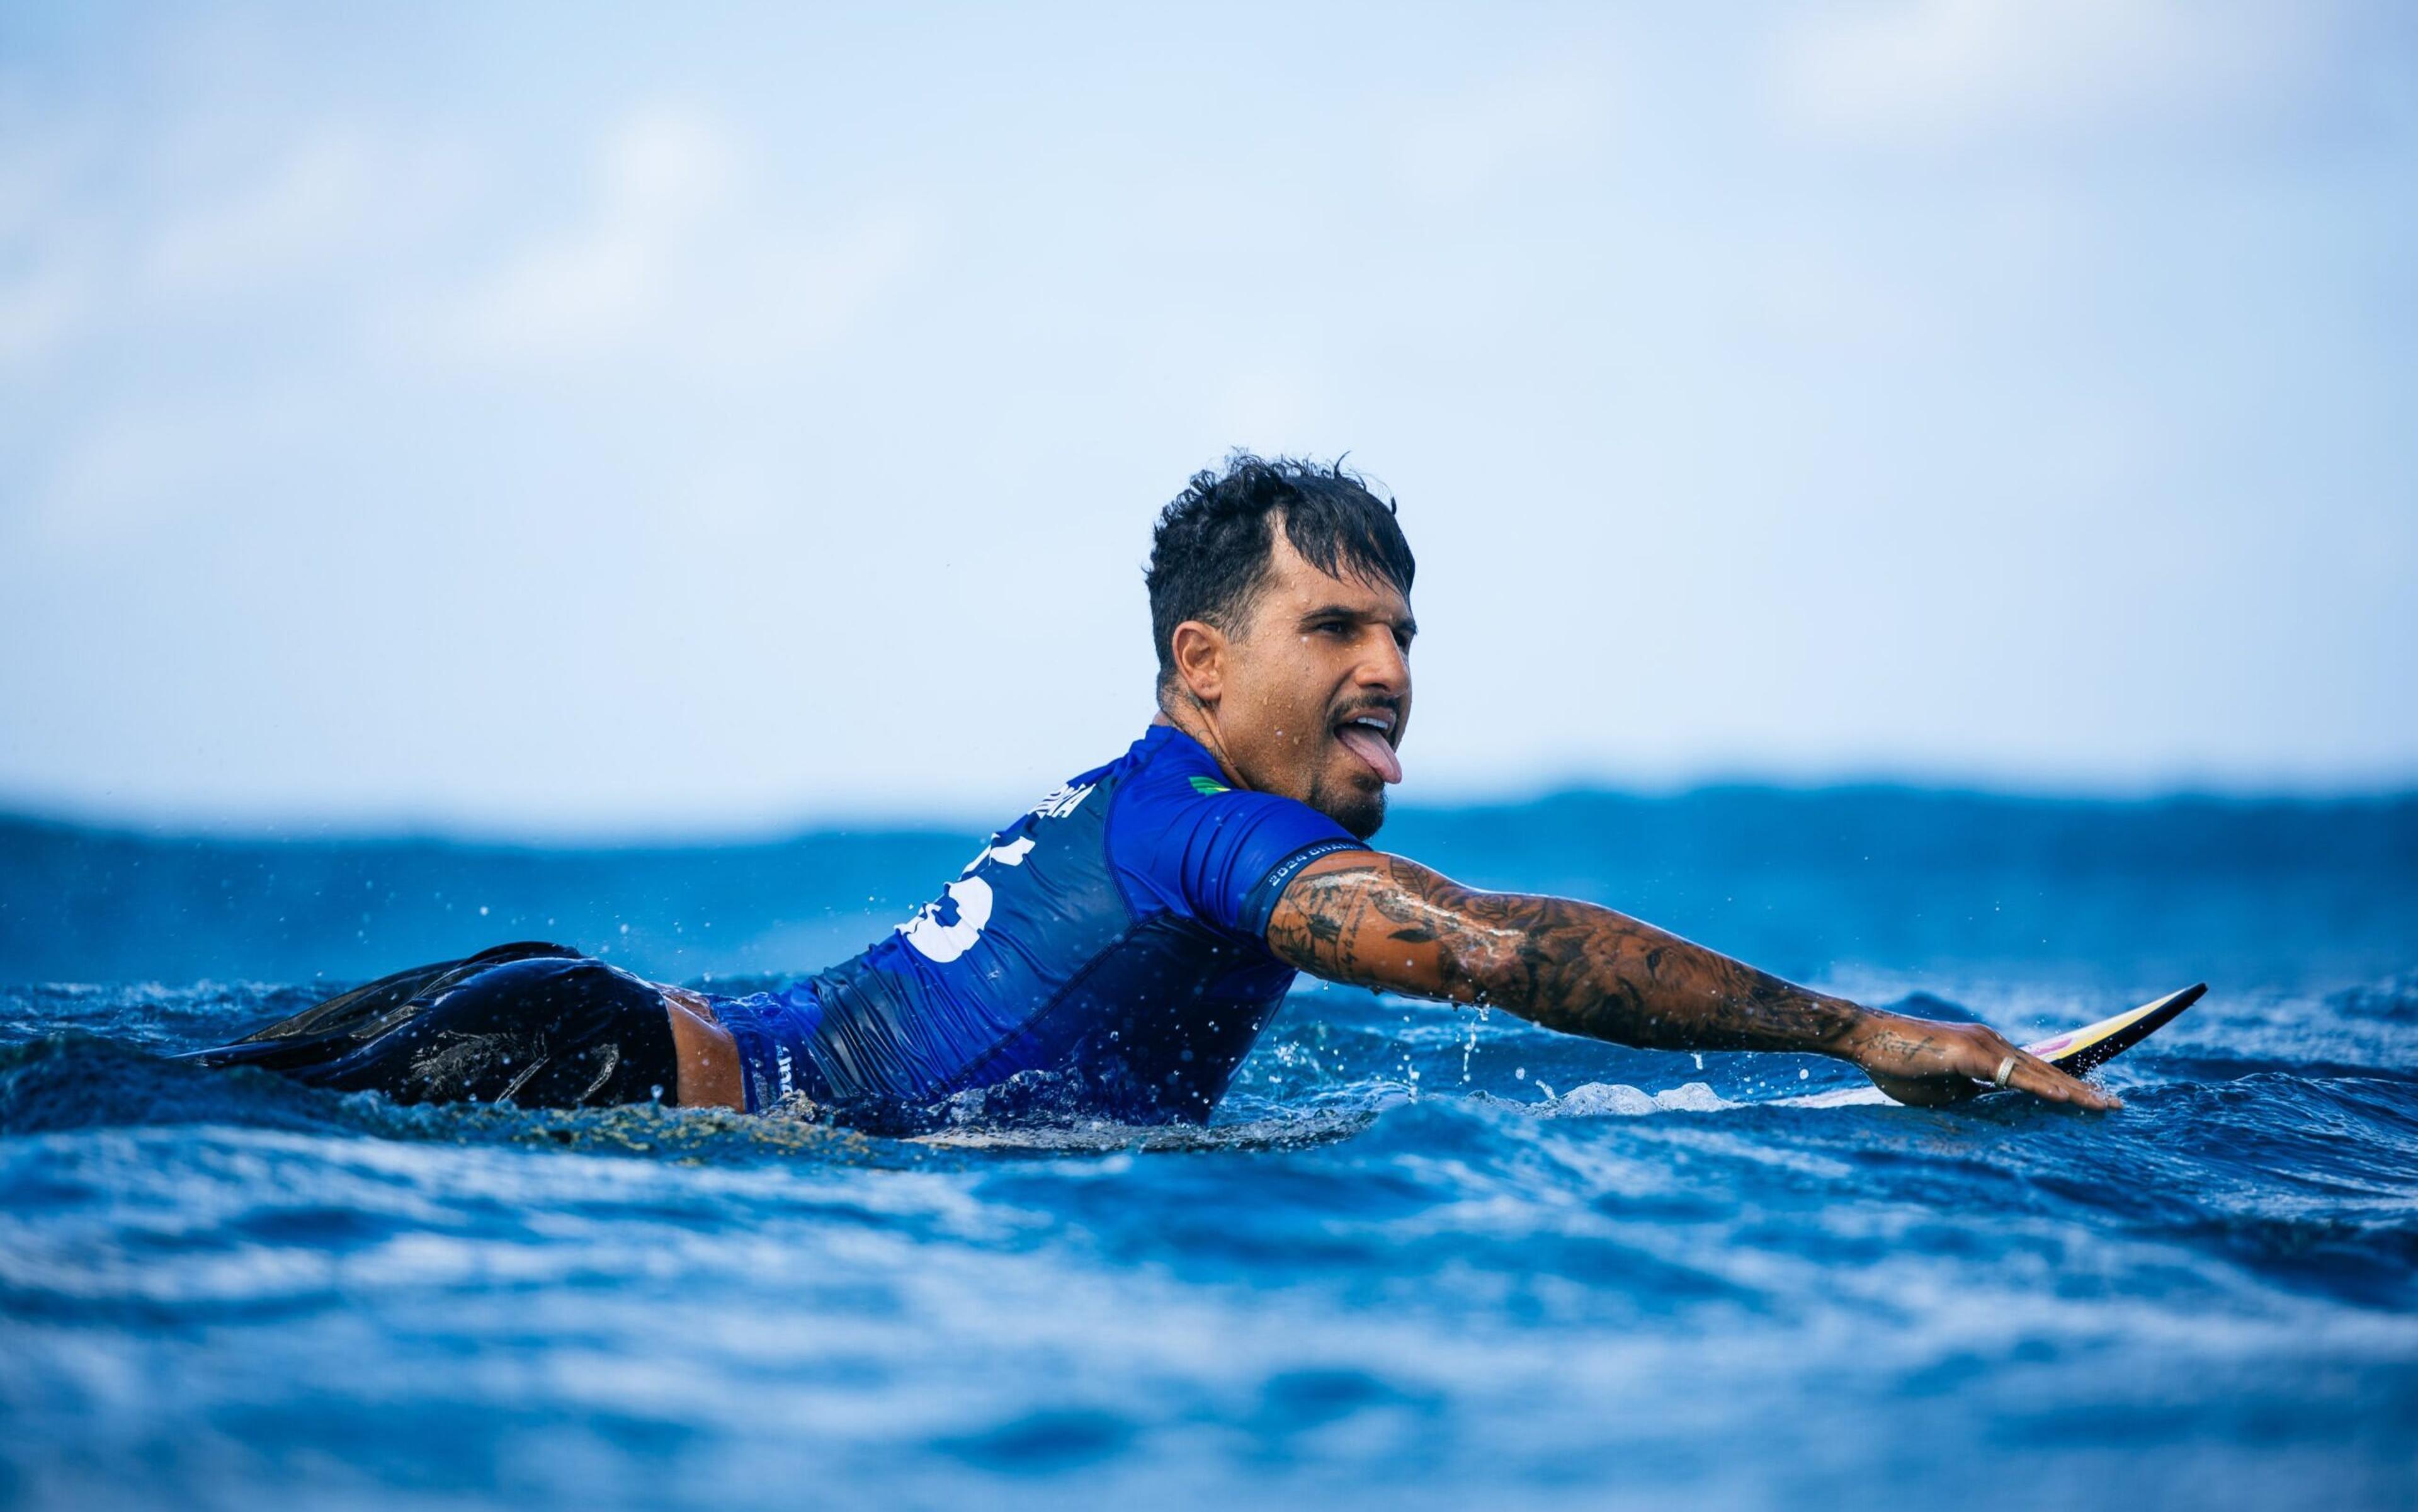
<point>1381,703</point>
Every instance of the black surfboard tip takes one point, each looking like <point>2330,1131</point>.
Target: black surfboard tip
<point>2097,1053</point>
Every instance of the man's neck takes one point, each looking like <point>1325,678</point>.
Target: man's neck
<point>1195,723</point>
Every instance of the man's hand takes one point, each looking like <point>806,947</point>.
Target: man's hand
<point>1379,921</point>
<point>1929,1064</point>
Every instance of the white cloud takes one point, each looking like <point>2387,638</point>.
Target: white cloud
<point>41,308</point>
<point>1938,74</point>
<point>38,162</point>
<point>684,256</point>
<point>46,247</point>
<point>129,472</point>
<point>310,204</point>
<point>102,237</point>
<point>661,177</point>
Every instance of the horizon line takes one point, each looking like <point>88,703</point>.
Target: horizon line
<point>172,823</point>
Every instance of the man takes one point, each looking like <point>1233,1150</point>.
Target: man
<point>1117,950</point>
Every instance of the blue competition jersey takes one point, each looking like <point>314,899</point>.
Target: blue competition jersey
<point>1115,935</point>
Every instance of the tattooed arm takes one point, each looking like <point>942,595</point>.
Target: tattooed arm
<point>1379,920</point>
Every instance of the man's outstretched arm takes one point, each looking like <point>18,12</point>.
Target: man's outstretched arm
<point>1379,920</point>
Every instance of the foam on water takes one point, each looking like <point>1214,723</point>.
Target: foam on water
<point>1596,1099</point>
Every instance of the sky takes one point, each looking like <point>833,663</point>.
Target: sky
<point>562,420</point>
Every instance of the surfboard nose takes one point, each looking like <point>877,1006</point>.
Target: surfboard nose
<point>2095,1045</point>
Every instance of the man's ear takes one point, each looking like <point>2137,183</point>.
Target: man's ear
<point>1199,660</point>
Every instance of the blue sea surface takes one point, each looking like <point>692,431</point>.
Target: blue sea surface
<point>1424,1257</point>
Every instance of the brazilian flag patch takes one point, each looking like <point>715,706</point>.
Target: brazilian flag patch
<point>1209,787</point>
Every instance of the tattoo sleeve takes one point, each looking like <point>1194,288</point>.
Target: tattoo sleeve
<point>1379,920</point>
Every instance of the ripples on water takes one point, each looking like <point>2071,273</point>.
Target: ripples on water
<point>1419,1260</point>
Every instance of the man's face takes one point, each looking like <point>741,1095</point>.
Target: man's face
<point>1315,690</point>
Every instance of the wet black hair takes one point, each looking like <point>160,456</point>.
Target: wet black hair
<point>1210,550</point>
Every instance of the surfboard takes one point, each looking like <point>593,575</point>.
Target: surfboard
<point>2076,1051</point>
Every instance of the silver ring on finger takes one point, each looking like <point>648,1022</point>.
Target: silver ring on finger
<point>2005,1069</point>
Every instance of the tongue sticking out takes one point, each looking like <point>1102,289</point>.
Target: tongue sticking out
<point>1371,747</point>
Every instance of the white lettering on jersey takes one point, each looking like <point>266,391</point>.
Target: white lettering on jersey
<point>1063,801</point>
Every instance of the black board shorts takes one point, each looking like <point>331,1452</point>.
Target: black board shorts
<point>537,1025</point>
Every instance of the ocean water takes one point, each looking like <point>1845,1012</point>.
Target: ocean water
<point>1422,1258</point>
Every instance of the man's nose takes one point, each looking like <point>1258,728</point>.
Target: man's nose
<point>1384,666</point>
